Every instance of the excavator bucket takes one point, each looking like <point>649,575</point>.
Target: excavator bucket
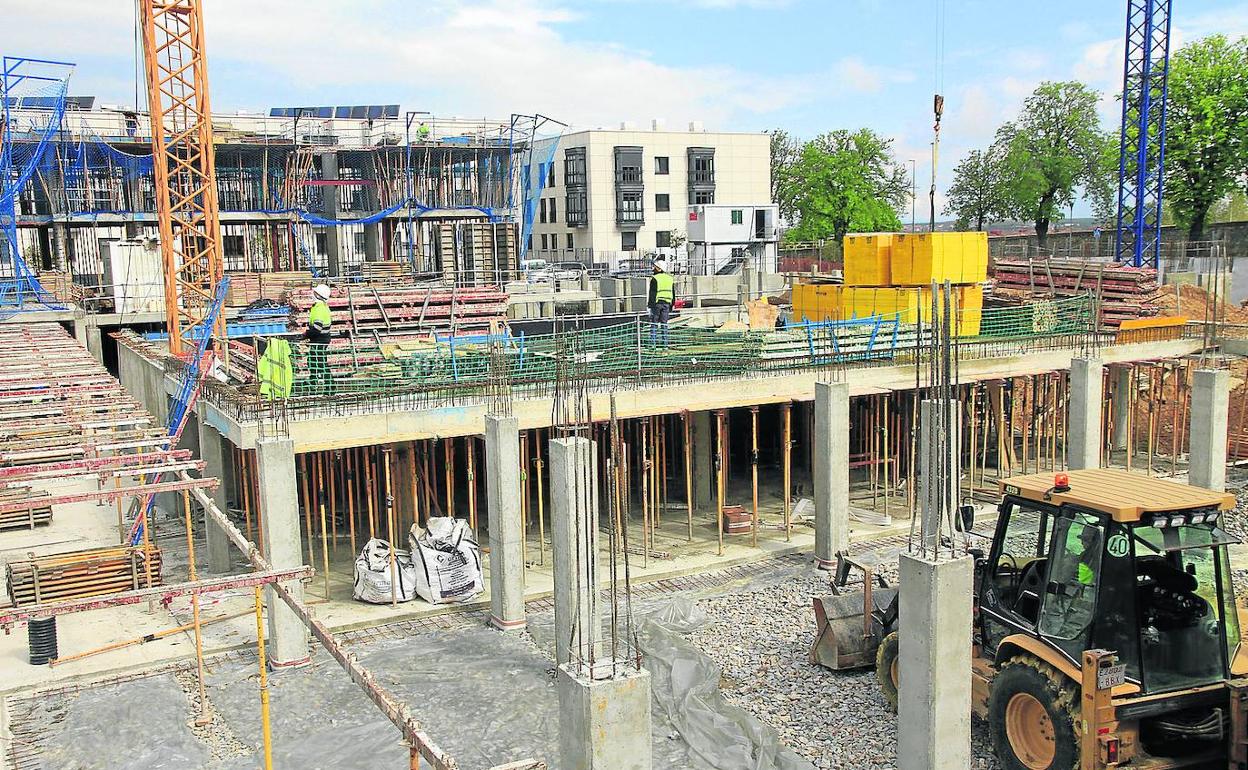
<point>848,632</point>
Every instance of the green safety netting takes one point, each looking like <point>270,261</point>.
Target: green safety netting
<point>637,350</point>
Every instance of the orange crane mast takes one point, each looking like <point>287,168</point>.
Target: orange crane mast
<point>182,151</point>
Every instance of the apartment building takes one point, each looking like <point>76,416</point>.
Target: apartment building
<point>611,195</point>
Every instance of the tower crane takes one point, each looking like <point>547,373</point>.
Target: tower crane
<point>182,151</point>
<point>1142,148</point>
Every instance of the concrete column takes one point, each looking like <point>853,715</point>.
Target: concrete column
<point>703,435</point>
<point>1086,398</point>
<point>213,451</point>
<point>934,658</point>
<point>831,472</point>
<point>574,541</point>
<point>1120,388</point>
<point>604,724</point>
<point>80,326</point>
<point>279,517</point>
<point>502,469</point>
<point>333,210</point>
<point>930,491</point>
<point>1211,390</point>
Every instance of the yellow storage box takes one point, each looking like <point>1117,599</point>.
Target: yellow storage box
<point>917,259</point>
<point>814,302</point>
<point>868,259</point>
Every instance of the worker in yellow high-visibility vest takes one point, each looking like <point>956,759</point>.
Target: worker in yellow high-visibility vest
<point>660,300</point>
<point>274,369</point>
<point>320,325</point>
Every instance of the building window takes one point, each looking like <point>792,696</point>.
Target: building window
<point>663,239</point>
<point>661,164</point>
<point>702,167</point>
<point>322,243</point>
<point>628,165</point>
<point>550,174</point>
<point>529,245</point>
<point>738,217</point>
<point>361,243</point>
<point>574,167</point>
<point>577,209</point>
<point>543,241</point>
<point>553,217</point>
<point>570,246</point>
<point>542,216</point>
<point>629,208</point>
<point>703,197</point>
<point>232,245</point>
<point>628,241</point>
<point>662,202</point>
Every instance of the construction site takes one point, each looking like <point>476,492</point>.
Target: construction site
<point>310,457</point>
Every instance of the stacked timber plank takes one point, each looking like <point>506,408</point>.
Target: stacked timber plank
<point>82,574</point>
<point>1125,292</point>
<point>363,309</point>
<point>65,420</point>
<point>34,515</point>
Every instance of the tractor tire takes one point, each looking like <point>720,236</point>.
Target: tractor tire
<point>1033,713</point>
<point>886,668</point>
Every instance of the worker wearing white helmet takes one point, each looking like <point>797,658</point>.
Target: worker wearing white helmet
<point>320,324</point>
<point>662,297</point>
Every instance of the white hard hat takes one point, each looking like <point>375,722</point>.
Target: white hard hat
<point>660,263</point>
<point>321,290</point>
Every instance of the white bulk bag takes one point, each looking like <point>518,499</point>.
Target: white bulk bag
<point>372,574</point>
<point>447,561</point>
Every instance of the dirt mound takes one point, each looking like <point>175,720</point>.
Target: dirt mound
<point>1194,302</point>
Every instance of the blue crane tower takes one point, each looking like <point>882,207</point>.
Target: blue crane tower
<point>1142,150</point>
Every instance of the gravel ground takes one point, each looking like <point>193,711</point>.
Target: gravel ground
<point>760,638</point>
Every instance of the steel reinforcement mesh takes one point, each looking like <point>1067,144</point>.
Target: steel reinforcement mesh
<point>445,368</point>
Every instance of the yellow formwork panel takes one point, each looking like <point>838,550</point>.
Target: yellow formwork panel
<point>906,304</point>
<point>917,259</point>
<point>868,259</point>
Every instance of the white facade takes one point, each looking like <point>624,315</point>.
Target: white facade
<point>722,235</point>
<point>739,172</point>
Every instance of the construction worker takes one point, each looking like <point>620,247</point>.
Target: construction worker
<point>320,323</point>
<point>422,133</point>
<point>660,300</point>
<point>274,369</point>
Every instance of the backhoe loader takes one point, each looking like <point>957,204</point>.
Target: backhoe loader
<point>1105,629</point>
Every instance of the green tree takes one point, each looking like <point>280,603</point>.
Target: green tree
<point>1206,125</point>
<point>785,150</point>
<point>977,194</point>
<point>1055,148</point>
<point>843,182</point>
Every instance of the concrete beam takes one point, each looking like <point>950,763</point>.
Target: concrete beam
<point>604,724</point>
<point>465,419</point>
<point>1211,391</point>
<point>213,451</point>
<point>934,663</point>
<point>574,542</point>
<point>831,472</point>
<point>279,527</point>
<point>1086,399</point>
<point>502,469</point>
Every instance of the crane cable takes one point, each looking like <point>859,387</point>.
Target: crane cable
<point>938,100</point>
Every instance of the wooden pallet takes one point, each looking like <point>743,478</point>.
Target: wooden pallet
<point>81,574</point>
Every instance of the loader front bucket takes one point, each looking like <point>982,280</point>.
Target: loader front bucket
<point>846,636</point>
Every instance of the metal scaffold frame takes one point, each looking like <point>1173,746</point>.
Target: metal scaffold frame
<point>186,189</point>
<point>1142,153</point>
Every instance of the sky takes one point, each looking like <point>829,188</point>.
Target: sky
<point>806,66</point>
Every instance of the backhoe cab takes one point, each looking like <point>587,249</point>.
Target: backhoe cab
<point>1103,591</point>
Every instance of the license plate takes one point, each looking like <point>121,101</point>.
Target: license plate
<point>1111,676</point>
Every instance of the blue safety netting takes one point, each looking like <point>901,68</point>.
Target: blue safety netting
<point>23,146</point>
